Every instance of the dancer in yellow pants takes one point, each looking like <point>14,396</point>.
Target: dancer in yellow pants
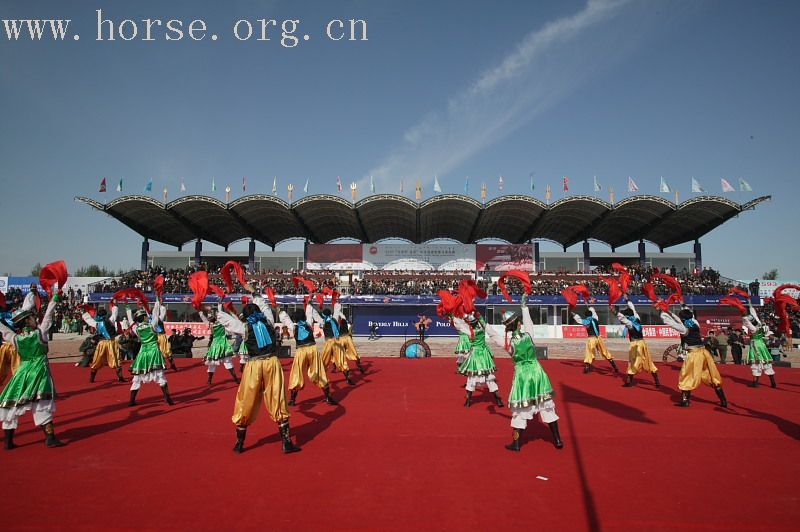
<point>639,358</point>
<point>107,351</point>
<point>595,342</point>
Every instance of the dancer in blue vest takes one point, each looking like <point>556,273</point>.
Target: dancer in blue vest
<point>595,342</point>
<point>107,351</point>
<point>639,358</point>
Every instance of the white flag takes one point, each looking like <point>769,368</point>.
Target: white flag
<point>744,186</point>
<point>696,186</point>
<point>500,183</point>
<point>371,185</point>
<point>436,187</point>
<point>632,185</point>
<point>726,187</point>
<point>664,186</point>
<point>275,185</point>
<point>183,187</point>
<point>305,188</point>
<point>596,185</point>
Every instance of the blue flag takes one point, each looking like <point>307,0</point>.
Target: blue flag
<point>149,186</point>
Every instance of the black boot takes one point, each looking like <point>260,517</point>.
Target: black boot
<point>655,378</point>
<point>360,367</point>
<point>556,435</point>
<point>685,395</point>
<point>328,399</point>
<point>587,368</point>
<point>288,446</point>
<point>167,398</point>
<point>497,398</point>
<point>516,434</point>
<point>233,374</point>
<point>628,381</point>
<point>348,379</point>
<point>754,384</point>
<point>210,376</point>
<point>9,440</point>
<point>292,398</point>
<point>241,432</point>
<point>120,378</point>
<point>614,365</point>
<point>92,375</point>
<point>723,402</point>
<point>172,365</point>
<point>772,381</point>
<point>50,436</point>
<point>468,402</point>
<point>132,402</point>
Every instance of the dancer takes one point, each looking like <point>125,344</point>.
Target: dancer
<point>307,358</point>
<point>479,365</point>
<point>9,357</point>
<point>149,364</point>
<point>639,354</point>
<point>346,337</point>
<point>107,351</point>
<point>758,356</point>
<point>31,388</point>
<point>333,348</point>
<point>595,342</point>
<point>220,350</point>
<point>160,312</point>
<point>531,391</point>
<point>699,365</point>
<point>262,378</point>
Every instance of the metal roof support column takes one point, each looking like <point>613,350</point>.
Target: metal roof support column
<point>537,257</point>
<point>642,254</point>
<point>698,256</point>
<point>145,252</point>
<point>586,257</point>
<point>198,251</point>
<point>305,254</point>
<point>251,256</point>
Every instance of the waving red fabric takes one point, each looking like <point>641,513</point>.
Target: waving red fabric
<point>198,283</point>
<point>127,294</point>
<point>624,276</point>
<point>523,277</point>
<point>614,290</point>
<point>158,285</point>
<point>225,272</point>
<point>50,274</point>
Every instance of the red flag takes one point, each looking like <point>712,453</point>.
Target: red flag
<point>451,303</point>
<point>50,274</point>
<point>158,285</point>
<point>522,276</point>
<point>198,283</point>
<point>229,266</point>
<point>103,185</point>
<point>217,290</point>
<point>271,296</point>
<point>671,282</point>
<point>310,285</point>
<point>338,183</point>
<point>570,296</point>
<point>470,290</point>
<point>581,290</point>
<point>781,288</point>
<point>624,276</point>
<point>566,183</point>
<point>614,290</point>
<point>86,307</point>
<point>739,292</point>
<point>733,302</point>
<point>131,294</point>
<point>658,303</point>
<point>331,292</point>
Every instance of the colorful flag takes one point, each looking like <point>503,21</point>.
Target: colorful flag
<point>213,185</point>
<point>119,185</point>
<point>289,191</point>
<point>418,191</point>
<point>532,185</point>
<point>548,193</point>
<point>305,187</point>
<point>165,194</point>
<point>500,183</point>
<point>466,186</point>
<point>149,186</point>
<point>696,188</point>
<point>744,186</point>
<point>726,187</point>
<point>664,187</point>
<point>596,185</point>
<point>338,183</point>
<point>244,184</point>
<point>103,185</point>
<point>228,193</point>
<point>566,184</point>
<point>436,187</point>
<point>483,192</point>
<point>274,186</point>
<point>632,185</point>
<point>611,195</point>
<point>353,190</point>
<point>183,186</point>
<point>371,185</point>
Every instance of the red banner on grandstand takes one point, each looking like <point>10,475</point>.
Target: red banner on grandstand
<point>717,318</point>
<point>579,331</point>
<point>198,328</point>
<point>333,256</point>
<point>504,257</point>
<point>659,331</point>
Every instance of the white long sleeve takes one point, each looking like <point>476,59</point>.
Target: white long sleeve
<point>232,325</point>
<point>624,320</point>
<point>495,337</point>
<point>577,319</point>
<point>674,322</point>
<point>47,320</point>
<point>129,314</point>
<point>633,308</point>
<point>8,334</point>
<point>114,312</point>
<point>594,313</point>
<point>312,314</point>
<point>755,315</point>
<point>162,311</point>
<point>29,302</point>
<point>203,317</point>
<point>461,326</point>
<point>751,328</point>
<point>89,320</point>
<point>337,311</point>
<point>285,320</point>
<point>527,321</point>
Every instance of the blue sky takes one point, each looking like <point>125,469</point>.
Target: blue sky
<point>451,88</point>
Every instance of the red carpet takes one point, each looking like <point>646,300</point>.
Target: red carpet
<point>401,452</point>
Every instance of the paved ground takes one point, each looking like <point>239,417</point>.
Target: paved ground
<point>66,345</point>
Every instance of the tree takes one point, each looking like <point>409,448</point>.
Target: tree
<point>36,269</point>
<point>93,270</point>
<point>771,275</point>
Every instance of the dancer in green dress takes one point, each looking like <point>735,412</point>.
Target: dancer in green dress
<point>531,391</point>
<point>31,388</point>
<point>220,351</point>
<point>149,365</point>
<point>479,366</point>
<point>758,356</point>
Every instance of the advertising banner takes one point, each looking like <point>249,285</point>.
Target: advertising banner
<point>504,257</point>
<point>659,331</point>
<point>399,321</point>
<point>579,331</point>
<point>716,318</point>
<point>198,328</point>
<point>767,287</point>
<point>334,257</point>
<point>419,256</point>
<point>4,284</point>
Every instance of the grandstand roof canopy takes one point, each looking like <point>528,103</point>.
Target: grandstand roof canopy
<point>515,218</point>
